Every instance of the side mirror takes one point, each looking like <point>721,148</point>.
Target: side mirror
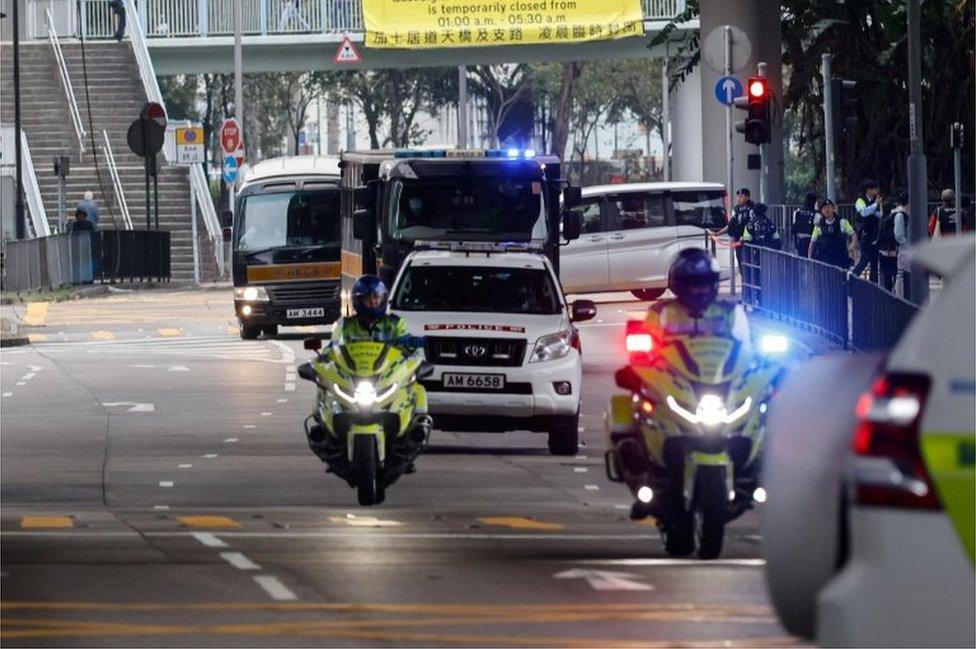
<point>572,196</point>
<point>572,225</point>
<point>425,371</point>
<point>582,310</point>
<point>362,225</point>
<point>627,379</point>
<point>227,233</point>
<point>312,344</point>
<point>226,218</point>
<point>307,372</point>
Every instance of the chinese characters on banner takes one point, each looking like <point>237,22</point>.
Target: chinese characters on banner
<point>419,24</point>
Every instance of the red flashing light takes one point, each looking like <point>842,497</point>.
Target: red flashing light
<point>757,88</point>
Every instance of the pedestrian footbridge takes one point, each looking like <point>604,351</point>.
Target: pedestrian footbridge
<point>196,36</point>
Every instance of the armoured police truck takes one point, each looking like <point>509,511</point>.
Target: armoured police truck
<point>394,199</point>
<point>286,242</point>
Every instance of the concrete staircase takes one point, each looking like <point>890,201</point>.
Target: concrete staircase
<point>116,96</point>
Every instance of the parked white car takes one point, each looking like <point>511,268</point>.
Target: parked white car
<point>501,337</point>
<point>631,232</point>
<point>868,529</point>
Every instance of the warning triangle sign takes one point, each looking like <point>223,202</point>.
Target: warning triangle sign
<point>347,52</point>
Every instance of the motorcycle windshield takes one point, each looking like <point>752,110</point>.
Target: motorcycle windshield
<point>367,358</point>
<point>710,360</point>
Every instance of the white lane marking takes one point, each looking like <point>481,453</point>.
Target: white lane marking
<point>208,539</point>
<point>21,383</point>
<point>582,457</point>
<point>249,426</point>
<point>143,367</point>
<point>679,563</point>
<point>591,487</point>
<point>580,469</point>
<point>230,440</point>
<point>166,483</point>
<point>282,401</point>
<point>184,466</point>
<point>179,368</point>
<point>277,590</point>
<point>289,387</point>
<point>239,561</point>
<point>161,507</point>
<point>8,394</point>
<point>289,376</point>
<point>605,579</point>
<point>209,456</point>
<point>28,376</point>
<point>265,414</point>
<point>358,534</point>
<point>287,354</point>
<point>34,368</point>
<point>133,406</point>
<point>291,368</point>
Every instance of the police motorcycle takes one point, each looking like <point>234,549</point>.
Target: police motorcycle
<point>370,421</point>
<point>686,437</point>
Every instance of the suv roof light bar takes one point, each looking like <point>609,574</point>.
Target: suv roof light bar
<point>479,246</point>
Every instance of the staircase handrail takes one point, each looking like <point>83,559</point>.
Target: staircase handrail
<point>32,191</point>
<point>52,37</point>
<point>198,181</point>
<point>113,171</point>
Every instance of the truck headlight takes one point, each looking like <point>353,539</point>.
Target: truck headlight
<point>251,294</point>
<point>552,347</point>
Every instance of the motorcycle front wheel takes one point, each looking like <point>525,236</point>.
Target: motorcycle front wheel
<point>711,512</point>
<point>366,469</point>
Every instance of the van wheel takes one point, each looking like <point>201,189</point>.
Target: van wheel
<point>564,435</point>
<point>648,294</point>
<point>249,332</point>
<point>270,330</point>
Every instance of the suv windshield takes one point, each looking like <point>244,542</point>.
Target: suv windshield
<point>286,219</point>
<point>492,209</point>
<point>466,288</point>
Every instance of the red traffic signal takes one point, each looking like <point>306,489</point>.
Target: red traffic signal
<point>757,87</point>
<point>757,103</point>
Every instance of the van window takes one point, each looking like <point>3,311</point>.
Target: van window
<point>589,211</point>
<point>704,209</point>
<point>635,210</point>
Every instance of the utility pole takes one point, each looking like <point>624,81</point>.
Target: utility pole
<point>238,84</point>
<point>828,105</point>
<point>763,152</point>
<point>665,118</point>
<point>350,128</point>
<point>955,140</point>
<point>19,224</point>
<point>462,116</point>
<point>917,170</point>
<point>729,155</point>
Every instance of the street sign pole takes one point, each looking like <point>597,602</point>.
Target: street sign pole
<point>728,149</point>
<point>665,115</point>
<point>462,115</point>
<point>763,153</point>
<point>828,111</point>
<point>956,142</point>
<point>196,242</point>
<point>238,81</point>
<point>917,167</point>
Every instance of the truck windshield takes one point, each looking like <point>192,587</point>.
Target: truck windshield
<point>486,209</point>
<point>466,288</point>
<point>288,219</point>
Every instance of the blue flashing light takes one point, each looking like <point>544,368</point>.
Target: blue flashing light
<point>528,153</point>
<point>513,153</point>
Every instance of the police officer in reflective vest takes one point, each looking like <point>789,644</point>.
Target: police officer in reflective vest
<point>828,243</point>
<point>371,321</point>
<point>740,216</point>
<point>804,219</point>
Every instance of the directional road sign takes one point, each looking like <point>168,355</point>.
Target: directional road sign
<point>230,169</point>
<point>727,89</point>
<point>189,145</point>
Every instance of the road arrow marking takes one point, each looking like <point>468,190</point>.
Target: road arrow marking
<point>605,579</point>
<point>134,406</point>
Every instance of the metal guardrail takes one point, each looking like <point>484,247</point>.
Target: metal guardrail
<point>69,91</point>
<point>50,262</point>
<point>820,297</point>
<point>113,171</point>
<point>32,192</point>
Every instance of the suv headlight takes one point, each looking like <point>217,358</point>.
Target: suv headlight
<point>552,347</point>
<point>251,294</point>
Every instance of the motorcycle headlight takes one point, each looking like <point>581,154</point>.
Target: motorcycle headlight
<point>251,294</point>
<point>711,411</point>
<point>552,347</point>
<point>365,394</point>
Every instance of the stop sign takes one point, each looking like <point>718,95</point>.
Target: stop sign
<point>230,136</point>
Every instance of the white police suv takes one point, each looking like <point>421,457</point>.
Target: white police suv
<point>501,337</point>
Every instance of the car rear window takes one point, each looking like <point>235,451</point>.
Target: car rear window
<point>529,291</point>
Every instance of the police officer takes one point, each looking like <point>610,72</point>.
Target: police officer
<point>735,228</point>
<point>828,243</point>
<point>942,222</point>
<point>804,219</point>
<point>760,230</point>
<point>371,321</point>
<point>868,207</point>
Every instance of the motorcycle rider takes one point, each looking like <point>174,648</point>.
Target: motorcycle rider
<point>371,321</point>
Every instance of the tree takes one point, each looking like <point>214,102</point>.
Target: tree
<point>501,86</point>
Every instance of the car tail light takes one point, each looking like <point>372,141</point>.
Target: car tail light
<point>890,471</point>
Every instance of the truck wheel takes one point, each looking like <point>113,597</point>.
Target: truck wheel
<point>648,294</point>
<point>270,330</point>
<point>366,469</point>
<point>711,512</point>
<point>249,332</point>
<point>564,435</point>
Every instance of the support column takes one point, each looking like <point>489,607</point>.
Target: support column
<point>686,130</point>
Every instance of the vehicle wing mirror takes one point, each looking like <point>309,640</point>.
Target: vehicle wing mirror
<point>227,233</point>
<point>583,310</point>
<point>628,379</point>
<point>425,370</point>
<point>226,218</point>
<point>572,196</point>
<point>312,344</point>
<point>572,225</point>
<point>362,224</point>
<point>307,372</point>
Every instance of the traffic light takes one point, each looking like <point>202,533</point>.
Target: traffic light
<point>758,106</point>
<point>844,108</point>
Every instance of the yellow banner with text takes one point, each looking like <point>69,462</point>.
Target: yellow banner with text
<point>423,24</point>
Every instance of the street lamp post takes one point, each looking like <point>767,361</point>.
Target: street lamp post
<point>917,173</point>
<point>19,224</point>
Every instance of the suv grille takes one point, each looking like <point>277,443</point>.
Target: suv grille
<point>483,352</point>
<point>303,293</point>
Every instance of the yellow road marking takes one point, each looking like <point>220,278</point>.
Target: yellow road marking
<point>650,521</point>
<point>36,314</point>
<point>102,335</point>
<point>207,521</point>
<point>233,331</point>
<point>170,331</point>
<point>364,521</point>
<point>519,523</point>
<point>35,522</point>
<point>37,338</point>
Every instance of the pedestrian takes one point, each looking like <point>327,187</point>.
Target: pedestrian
<point>90,207</point>
<point>868,208</point>
<point>81,223</point>
<point>888,245</point>
<point>942,222</point>
<point>118,6</point>
<point>902,228</point>
<point>828,242</point>
<point>804,219</point>
<point>291,10</point>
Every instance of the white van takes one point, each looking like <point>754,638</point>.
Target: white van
<point>631,232</point>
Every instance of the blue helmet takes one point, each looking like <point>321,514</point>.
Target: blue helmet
<point>365,287</point>
<point>693,278</point>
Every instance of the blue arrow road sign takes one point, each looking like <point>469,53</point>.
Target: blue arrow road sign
<point>727,89</point>
<point>230,169</point>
